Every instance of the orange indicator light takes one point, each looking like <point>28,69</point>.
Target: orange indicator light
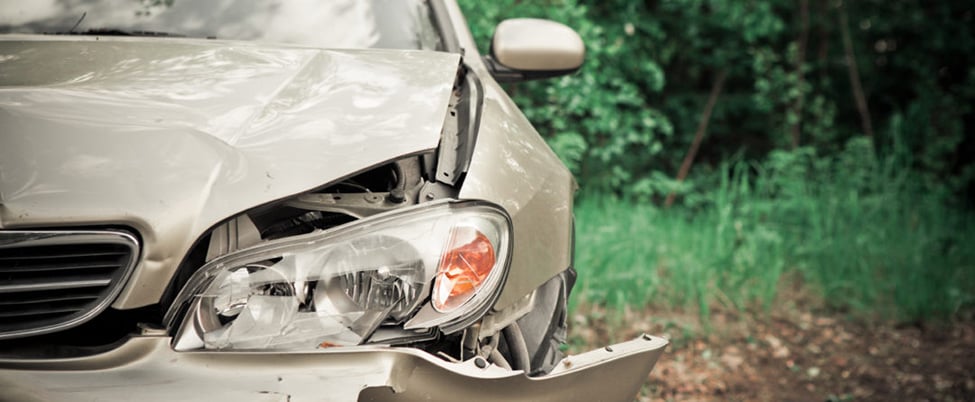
<point>464,266</point>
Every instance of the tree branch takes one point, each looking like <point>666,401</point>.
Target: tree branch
<point>702,129</point>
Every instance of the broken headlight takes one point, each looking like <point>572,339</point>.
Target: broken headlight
<point>445,260</point>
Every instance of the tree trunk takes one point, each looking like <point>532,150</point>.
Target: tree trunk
<point>822,27</point>
<point>796,129</point>
<point>851,64</point>
<point>702,129</point>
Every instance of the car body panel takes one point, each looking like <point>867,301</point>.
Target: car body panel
<point>173,136</point>
<point>147,363</point>
<point>508,148</point>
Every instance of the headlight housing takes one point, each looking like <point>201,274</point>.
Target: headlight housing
<point>439,264</point>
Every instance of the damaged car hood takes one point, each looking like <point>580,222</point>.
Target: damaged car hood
<point>172,136</point>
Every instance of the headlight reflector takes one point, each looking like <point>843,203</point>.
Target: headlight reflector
<point>336,287</point>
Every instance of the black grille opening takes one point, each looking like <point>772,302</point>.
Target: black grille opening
<point>56,280</point>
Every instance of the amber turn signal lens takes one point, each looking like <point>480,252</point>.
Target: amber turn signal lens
<point>466,262</point>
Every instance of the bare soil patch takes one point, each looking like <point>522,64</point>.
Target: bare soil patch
<point>792,355</point>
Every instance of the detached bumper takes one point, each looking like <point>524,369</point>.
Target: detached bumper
<point>146,369</point>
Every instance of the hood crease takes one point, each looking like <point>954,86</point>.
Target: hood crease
<point>125,131</point>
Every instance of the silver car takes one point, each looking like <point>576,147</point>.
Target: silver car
<point>270,200</point>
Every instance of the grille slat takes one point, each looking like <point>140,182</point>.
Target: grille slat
<point>53,280</point>
<point>64,284</point>
<point>36,311</point>
<point>41,268</point>
<point>55,298</point>
<point>65,256</point>
<point>45,316</point>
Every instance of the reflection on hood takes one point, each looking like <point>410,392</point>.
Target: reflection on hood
<point>171,136</point>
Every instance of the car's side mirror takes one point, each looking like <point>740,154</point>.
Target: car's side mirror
<point>526,49</point>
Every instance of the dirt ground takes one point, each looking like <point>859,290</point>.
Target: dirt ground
<point>791,355</point>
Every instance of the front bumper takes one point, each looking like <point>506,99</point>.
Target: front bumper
<point>146,369</point>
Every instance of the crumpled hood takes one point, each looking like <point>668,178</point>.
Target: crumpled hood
<point>171,136</point>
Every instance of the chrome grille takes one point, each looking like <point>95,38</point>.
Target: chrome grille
<point>53,280</point>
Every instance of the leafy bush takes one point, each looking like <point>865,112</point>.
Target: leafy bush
<point>598,120</point>
<point>625,121</point>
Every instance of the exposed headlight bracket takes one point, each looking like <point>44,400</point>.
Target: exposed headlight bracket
<point>367,203</point>
<point>460,129</point>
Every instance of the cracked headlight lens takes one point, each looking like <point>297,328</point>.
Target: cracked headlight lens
<point>336,287</point>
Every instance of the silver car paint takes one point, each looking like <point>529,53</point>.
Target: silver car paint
<point>172,136</point>
<point>147,369</point>
<point>514,167</point>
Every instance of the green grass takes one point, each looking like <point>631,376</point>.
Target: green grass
<point>864,235</point>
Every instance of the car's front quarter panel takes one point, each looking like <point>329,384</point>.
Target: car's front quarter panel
<point>514,167</point>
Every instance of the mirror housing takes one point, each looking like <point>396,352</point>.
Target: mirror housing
<point>527,49</point>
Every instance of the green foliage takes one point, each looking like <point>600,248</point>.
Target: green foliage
<point>624,122</point>
<point>854,227</point>
<point>881,224</point>
<point>599,120</point>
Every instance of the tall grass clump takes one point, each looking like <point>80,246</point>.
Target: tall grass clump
<point>867,234</point>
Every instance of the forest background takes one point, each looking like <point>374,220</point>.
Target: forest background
<point>783,187</point>
<point>724,146</point>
